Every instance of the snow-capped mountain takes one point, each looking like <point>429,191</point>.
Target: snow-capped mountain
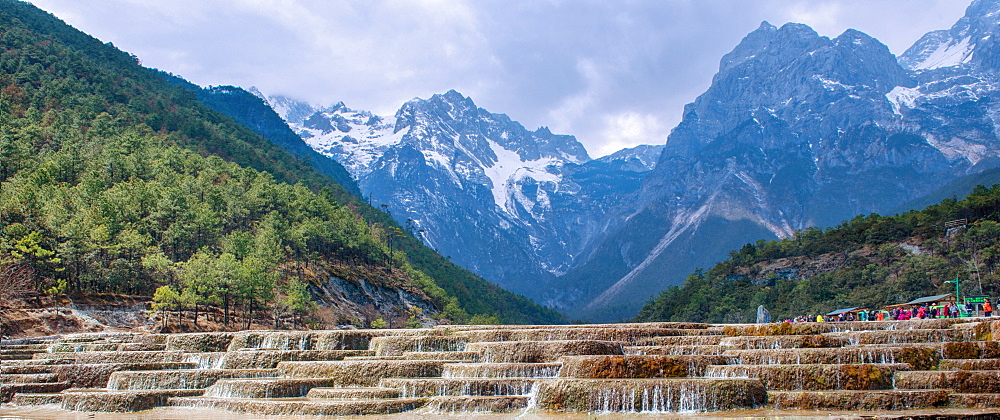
<point>798,130</point>
<point>970,39</point>
<point>355,138</point>
<point>476,185</point>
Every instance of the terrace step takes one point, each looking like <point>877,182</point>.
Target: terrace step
<point>97,375</point>
<point>649,395</point>
<point>265,388</point>
<point>916,357</point>
<point>977,400</point>
<point>868,400</point>
<point>812,328</point>
<point>636,366</point>
<point>396,346</point>
<point>102,400</point>
<point>7,391</point>
<point>432,387</point>
<point>540,351</point>
<point>269,359</point>
<point>905,336</point>
<point>19,352</point>
<point>316,340</point>
<point>28,378</point>
<point>684,350</point>
<point>969,364</point>
<point>814,377</point>
<point>180,378</point>
<point>20,356</point>
<point>36,362</point>
<point>623,334</point>
<point>354,393</point>
<point>22,400</point>
<point>117,356</point>
<point>362,372</point>
<point>962,381</point>
<point>501,370</point>
<point>299,407</point>
<point>783,342</point>
<point>951,350</point>
<point>477,404</point>
<point>375,358</point>
<point>681,340</point>
<point>39,347</point>
<point>25,369</point>
<point>455,356</point>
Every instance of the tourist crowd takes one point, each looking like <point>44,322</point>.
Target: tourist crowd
<point>947,310</point>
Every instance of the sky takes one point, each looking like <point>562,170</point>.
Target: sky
<point>613,73</point>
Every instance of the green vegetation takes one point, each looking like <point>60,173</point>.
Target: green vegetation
<point>858,263</point>
<point>114,180</point>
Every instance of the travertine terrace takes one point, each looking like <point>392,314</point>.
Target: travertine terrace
<point>889,366</point>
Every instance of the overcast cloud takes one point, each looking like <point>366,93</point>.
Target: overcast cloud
<point>612,73</point>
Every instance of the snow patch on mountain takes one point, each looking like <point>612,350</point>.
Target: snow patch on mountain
<point>509,171</point>
<point>947,54</point>
<point>960,148</point>
<point>968,41</point>
<point>901,96</point>
<point>832,85</point>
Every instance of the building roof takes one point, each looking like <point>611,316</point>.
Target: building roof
<point>842,311</point>
<point>931,299</point>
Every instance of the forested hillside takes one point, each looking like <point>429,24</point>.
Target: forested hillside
<point>869,261</point>
<point>252,112</point>
<point>113,180</point>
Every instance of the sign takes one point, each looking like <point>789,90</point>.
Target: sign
<point>976,299</point>
<point>955,223</point>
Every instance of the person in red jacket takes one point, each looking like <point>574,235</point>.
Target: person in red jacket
<point>987,308</point>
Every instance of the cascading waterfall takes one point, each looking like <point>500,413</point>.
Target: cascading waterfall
<point>461,387</point>
<point>505,370</point>
<point>206,360</point>
<point>532,403</point>
<point>658,399</point>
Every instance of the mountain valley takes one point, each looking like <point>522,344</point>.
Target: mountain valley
<point>797,130</point>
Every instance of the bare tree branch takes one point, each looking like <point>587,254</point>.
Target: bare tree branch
<point>15,280</point>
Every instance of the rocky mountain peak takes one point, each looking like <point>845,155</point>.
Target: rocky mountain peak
<point>754,44</point>
<point>861,60</point>
<point>636,159</point>
<point>769,48</point>
<point>968,42</point>
<point>452,104</point>
<point>795,75</point>
<point>858,38</point>
<point>291,110</point>
<point>797,31</point>
<point>984,11</point>
<point>336,107</point>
